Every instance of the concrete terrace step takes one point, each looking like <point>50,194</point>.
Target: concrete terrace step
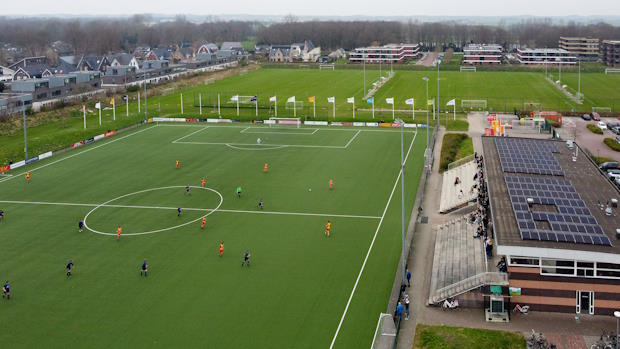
<point>449,199</point>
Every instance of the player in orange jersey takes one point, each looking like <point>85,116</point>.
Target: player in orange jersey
<point>266,167</point>
<point>119,231</point>
<point>204,222</point>
<point>203,182</point>
<point>28,176</point>
<point>328,228</point>
<point>178,164</point>
<point>331,184</point>
<point>221,246</point>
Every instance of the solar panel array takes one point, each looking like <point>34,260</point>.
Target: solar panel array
<point>528,156</point>
<point>572,222</point>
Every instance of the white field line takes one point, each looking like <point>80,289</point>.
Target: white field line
<point>187,209</point>
<point>80,153</point>
<point>267,145</point>
<point>187,135</point>
<point>326,128</point>
<point>256,148</point>
<point>5,175</point>
<point>249,130</point>
<point>352,138</point>
<point>344,314</point>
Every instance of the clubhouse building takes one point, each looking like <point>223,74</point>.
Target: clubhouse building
<point>391,53</point>
<point>610,53</point>
<point>585,49</point>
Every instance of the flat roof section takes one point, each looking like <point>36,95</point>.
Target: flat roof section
<point>593,188</point>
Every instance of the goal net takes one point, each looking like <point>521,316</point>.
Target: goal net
<point>532,106</point>
<point>473,104</point>
<point>467,68</point>
<point>327,67</point>
<point>298,105</point>
<point>294,122</point>
<point>601,109</point>
<point>612,70</point>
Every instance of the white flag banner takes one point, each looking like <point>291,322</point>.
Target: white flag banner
<point>451,102</point>
<point>291,100</point>
<point>98,105</point>
<point>331,99</point>
<point>389,100</point>
<point>409,101</point>
<point>234,98</point>
<point>272,99</point>
<point>351,100</point>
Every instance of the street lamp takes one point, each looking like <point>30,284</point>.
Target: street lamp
<point>426,79</point>
<point>402,191</point>
<point>617,315</point>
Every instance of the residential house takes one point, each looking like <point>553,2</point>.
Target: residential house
<point>208,48</point>
<point>161,53</point>
<point>12,103</point>
<point>610,53</point>
<point>59,86</point>
<point>585,49</point>
<point>262,49</point>
<point>31,67</point>
<point>6,74</point>
<point>540,56</point>
<point>336,55</point>
<point>235,47</point>
<point>280,54</point>
<point>305,51</point>
<point>93,63</point>
<point>141,51</point>
<point>120,74</point>
<point>184,53</point>
<point>482,54</point>
<point>123,59</point>
<point>391,53</point>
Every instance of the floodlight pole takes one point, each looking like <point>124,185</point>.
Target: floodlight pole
<point>25,136</point>
<point>181,104</point>
<point>579,80</point>
<point>145,97</point>
<point>438,104</point>
<point>426,79</point>
<point>402,193</point>
<point>200,102</point>
<point>617,315</point>
<point>364,63</point>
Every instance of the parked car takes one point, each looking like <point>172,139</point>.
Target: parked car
<point>601,125</point>
<point>586,117</point>
<point>596,117</point>
<point>613,176</point>
<point>612,124</point>
<point>613,171</point>
<point>609,165</point>
<point>618,139</point>
<point>615,129</point>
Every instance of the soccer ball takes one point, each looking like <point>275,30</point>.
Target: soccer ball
<point>309,189</point>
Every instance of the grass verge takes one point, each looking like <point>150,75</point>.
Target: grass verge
<point>612,143</point>
<point>446,337</point>
<point>594,129</point>
<point>455,146</point>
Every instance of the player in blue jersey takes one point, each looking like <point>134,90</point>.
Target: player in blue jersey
<point>246,258</point>
<point>1,215</point>
<point>144,269</point>
<point>69,267</point>
<point>179,211</point>
<point>80,226</point>
<point>260,203</point>
<point>187,190</point>
<point>6,290</point>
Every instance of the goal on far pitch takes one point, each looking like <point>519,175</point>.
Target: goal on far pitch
<point>474,104</point>
<point>276,122</point>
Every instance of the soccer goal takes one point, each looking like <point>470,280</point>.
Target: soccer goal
<point>473,104</point>
<point>612,70</point>
<point>327,66</point>
<point>601,110</point>
<point>466,68</point>
<point>274,122</point>
<point>532,106</point>
<point>297,105</point>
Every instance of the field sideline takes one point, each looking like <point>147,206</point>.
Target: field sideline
<point>303,290</point>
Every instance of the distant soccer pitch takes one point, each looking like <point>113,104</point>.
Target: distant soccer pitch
<point>303,289</point>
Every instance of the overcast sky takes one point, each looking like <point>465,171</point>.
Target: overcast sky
<point>320,7</point>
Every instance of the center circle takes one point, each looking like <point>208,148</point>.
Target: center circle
<point>157,230</point>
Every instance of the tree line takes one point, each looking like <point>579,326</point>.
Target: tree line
<point>103,35</point>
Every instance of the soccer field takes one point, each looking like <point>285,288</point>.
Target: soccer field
<point>303,290</point>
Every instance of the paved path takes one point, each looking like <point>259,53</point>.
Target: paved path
<point>561,329</point>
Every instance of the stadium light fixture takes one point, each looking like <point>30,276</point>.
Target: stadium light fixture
<point>617,315</point>
<point>426,79</point>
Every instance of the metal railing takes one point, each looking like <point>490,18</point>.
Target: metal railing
<point>469,284</point>
<point>460,162</point>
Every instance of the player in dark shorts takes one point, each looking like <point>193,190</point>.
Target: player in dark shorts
<point>144,269</point>
<point>1,215</point>
<point>187,190</point>
<point>80,226</point>
<point>260,203</point>
<point>6,290</point>
<point>179,211</point>
<point>69,267</point>
<point>246,259</point>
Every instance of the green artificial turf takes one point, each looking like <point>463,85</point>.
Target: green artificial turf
<point>296,290</point>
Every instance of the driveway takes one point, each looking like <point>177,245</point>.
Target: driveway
<point>588,140</point>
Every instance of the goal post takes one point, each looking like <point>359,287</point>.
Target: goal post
<point>532,106</point>
<point>294,122</point>
<point>467,68</point>
<point>474,104</point>
<point>327,66</point>
<point>601,109</point>
<point>612,70</point>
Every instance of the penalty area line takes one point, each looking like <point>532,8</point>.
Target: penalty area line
<point>189,209</point>
<point>344,314</point>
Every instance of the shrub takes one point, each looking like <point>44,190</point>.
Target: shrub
<point>601,159</point>
<point>133,88</point>
<point>595,129</point>
<point>454,146</point>
<point>612,143</point>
